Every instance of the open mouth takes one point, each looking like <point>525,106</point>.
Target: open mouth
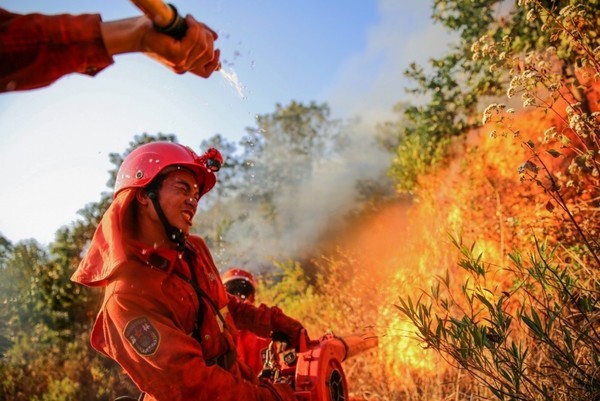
<point>188,216</point>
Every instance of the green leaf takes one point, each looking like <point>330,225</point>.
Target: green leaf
<point>487,303</point>
<point>537,329</point>
<point>478,337</point>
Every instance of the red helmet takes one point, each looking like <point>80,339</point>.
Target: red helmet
<point>238,274</point>
<point>145,162</point>
<point>240,283</point>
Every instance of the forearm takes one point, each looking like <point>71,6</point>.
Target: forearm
<point>250,317</point>
<point>37,49</point>
<point>125,35</point>
<point>262,320</point>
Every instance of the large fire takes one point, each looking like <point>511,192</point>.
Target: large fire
<point>406,248</point>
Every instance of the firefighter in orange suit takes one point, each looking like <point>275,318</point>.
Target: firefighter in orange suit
<point>166,317</point>
<point>241,283</point>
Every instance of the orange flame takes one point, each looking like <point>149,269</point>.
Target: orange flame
<point>478,198</point>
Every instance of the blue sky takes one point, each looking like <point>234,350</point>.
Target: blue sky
<point>55,141</point>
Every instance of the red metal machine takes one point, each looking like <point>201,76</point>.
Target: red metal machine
<point>315,370</point>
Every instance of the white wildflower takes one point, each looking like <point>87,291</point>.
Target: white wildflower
<point>528,100</point>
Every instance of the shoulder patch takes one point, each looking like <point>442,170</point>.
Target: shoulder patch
<point>142,335</point>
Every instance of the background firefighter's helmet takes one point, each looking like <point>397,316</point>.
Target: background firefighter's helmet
<point>239,282</point>
<point>147,161</point>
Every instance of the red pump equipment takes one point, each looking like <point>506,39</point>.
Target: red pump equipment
<point>315,369</point>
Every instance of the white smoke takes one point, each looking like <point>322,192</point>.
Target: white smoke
<point>368,86</point>
<point>302,210</point>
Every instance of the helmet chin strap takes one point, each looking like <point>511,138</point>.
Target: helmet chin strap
<point>173,233</point>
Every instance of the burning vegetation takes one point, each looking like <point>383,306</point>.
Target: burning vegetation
<point>485,285</point>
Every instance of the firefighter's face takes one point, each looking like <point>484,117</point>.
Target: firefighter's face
<point>241,289</point>
<point>178,197</point>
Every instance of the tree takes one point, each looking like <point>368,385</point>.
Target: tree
<point>25,293</point>
<point>276,159</point>
<point>286,145</point>
<point>459,83</point>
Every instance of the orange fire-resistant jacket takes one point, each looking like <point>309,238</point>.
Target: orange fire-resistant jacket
<point>250,348</point>
<point>150,311</point>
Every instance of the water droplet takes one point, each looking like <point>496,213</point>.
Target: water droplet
<point>144,251</point>
<point>156,161</point>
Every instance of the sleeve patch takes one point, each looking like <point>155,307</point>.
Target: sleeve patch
<point>142,335</point>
